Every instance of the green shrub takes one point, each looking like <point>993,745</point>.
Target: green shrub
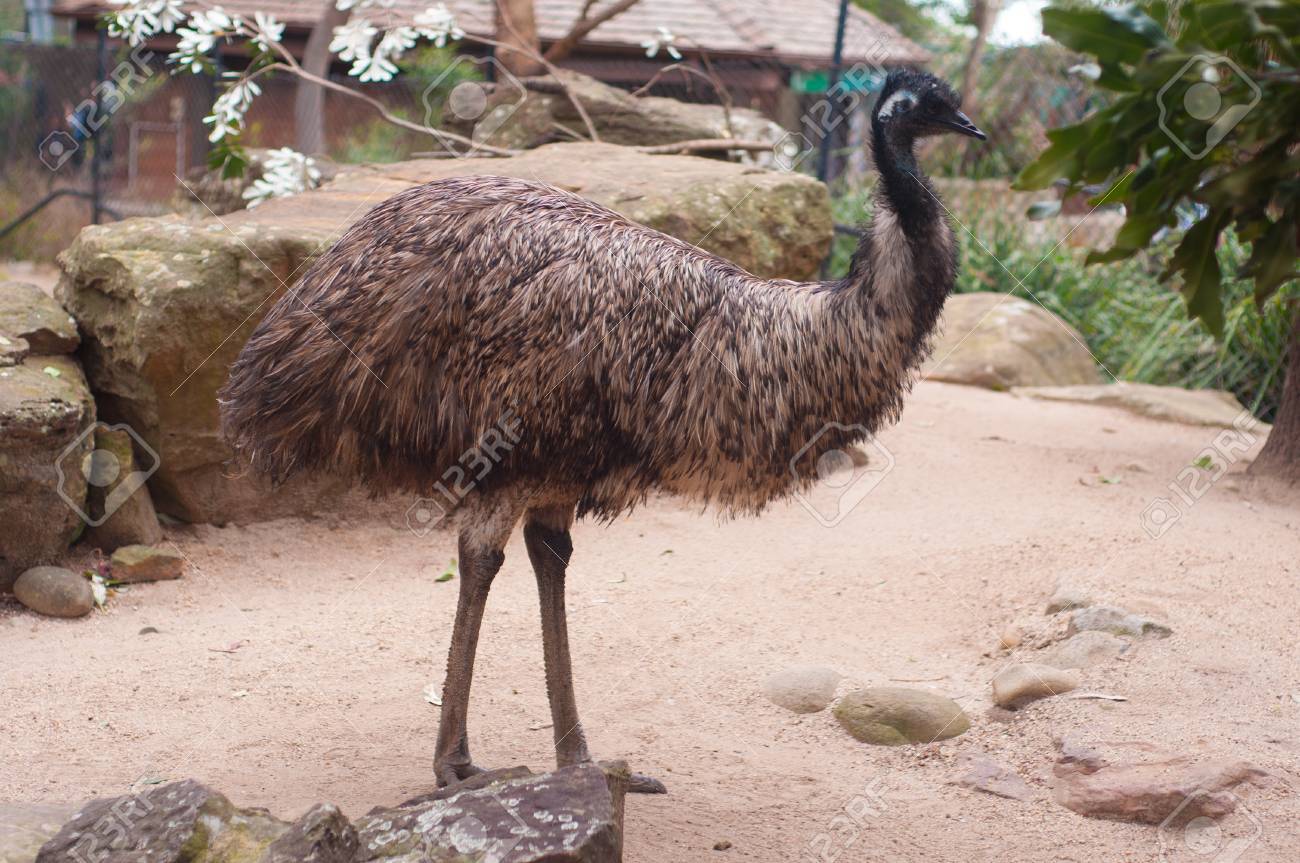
<point>1137,328</point>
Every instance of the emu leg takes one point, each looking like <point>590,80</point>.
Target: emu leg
<point>480,549</point>
<point>546,536</point>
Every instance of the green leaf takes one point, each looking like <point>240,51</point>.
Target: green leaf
<point>1272,259</point>
<point>449,573</point>
<point>1197,259</point>
<point>1119,35</point>
<point>1058,160</point>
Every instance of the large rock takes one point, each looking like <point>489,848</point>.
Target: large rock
<point>892,716</point>
<point>802,688</point>
<point>54,592</point>
<point>1000,342</point>
<point>1161,786</point>
<point>46,413</point>
<point>1214,408</point>
<point>166,304</point>
<point>573,815</point>
<point>30,314</point>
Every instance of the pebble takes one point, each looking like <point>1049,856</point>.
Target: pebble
<point>983,774</point>
<point>54,591</point>
<point>1085,649</point>
<point>1027,681</point>
<point>1068,597</point>
<point>1117,621</point>
<point>802,688</point>
<point>892,716</point>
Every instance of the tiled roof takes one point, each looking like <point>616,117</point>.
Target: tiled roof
<point>796,31</point>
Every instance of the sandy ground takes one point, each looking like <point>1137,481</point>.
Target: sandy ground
<point>676,619</point>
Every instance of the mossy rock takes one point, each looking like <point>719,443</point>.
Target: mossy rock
<point>893,716</point>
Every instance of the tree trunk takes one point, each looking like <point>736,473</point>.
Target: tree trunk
<point>584,25</point>
<point>517,26</point>
<point>309,100</point>
<point>983,13</point>
<point>1280,457</point>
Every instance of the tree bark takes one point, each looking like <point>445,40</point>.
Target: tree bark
<point>517,29</point>
<point>983,13</point>
<point>309,100</point>
<point>1280,457</point>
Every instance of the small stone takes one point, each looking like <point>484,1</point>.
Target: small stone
<point>1011,637</point>
<point>54,591</point>
<point>802,688</point>
<point>723,845</point>
<point>135,563</point>
<point>1117,621</point>
<point>1068,597</point>
<point>148,630</point>
<point>892,716</point>
<point>983,774</point>
<point>1027,681</point>
<point>1085,649</point>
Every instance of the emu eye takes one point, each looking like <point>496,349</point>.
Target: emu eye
<point>898,103</point>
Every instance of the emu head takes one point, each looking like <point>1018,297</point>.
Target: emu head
<point>916,104</point>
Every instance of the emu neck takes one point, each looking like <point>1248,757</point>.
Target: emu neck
<point>903,186</point>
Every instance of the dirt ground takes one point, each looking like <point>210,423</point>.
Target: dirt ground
<point>288,665</point>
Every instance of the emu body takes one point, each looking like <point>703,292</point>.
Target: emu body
<point>624,362</point>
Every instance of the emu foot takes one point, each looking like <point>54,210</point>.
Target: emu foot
<point>450,773</point>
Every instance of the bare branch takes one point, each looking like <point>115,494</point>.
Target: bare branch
<point>696,145</point>
<point>564,46</point>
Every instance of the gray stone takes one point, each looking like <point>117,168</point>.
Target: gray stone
<point>166,304</point>
<point>572,814</point>
<point>13,350</point>
<point>999,342</point>
<point>117,496</point>
<point>1023,682</point>
<point>135,563</point>
<point>174,823</point>
<point>1117,621</point>
<point>30,314</point>
<point>54,592</point>
<point>322,835</point>
<point>45,414</point>
<point>802,688</point>
<point>1085,649</point>
<point>892,716</point>
<point>983,774</point>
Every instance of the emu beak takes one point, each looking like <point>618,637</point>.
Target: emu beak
<point>962,125</point>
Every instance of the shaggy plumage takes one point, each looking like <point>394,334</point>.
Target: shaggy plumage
<point>548,357</point>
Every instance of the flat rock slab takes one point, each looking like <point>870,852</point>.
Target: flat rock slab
<point>1162,785</point>
<point>30,314</point>
<point>979,773</point>
<point>134,563</point>
<point>1116,621</point>
<point>1172,404</point>
<point>572,815</point>
<point>893,716</point>
<point>1085,649</point>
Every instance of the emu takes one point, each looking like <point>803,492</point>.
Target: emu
<point>620,361</point>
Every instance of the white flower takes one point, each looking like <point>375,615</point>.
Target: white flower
<point>137,20</point>
<point>437,24</point>
<point>376,67</point>
<point>269,30</point>
<point>663,39</point>
<point>284,172</point>
<point>192,49</point>
<point>169,14</point>
<point>227,117</point>
<point>352,40</point>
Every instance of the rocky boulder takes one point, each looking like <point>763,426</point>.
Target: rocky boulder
<point>572,815</point>
<point>165,304</point>
<point>54,592</point>
<point>892,716</point>
<point>1214,408</point>
<point>1000,342</point>
<point>46,414</point>
<point>29,314</point>
<point>537,111</point>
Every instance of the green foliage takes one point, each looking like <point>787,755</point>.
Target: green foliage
<point>915,19</point>
<point>1137,328</point>
<point>1183,147</point>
